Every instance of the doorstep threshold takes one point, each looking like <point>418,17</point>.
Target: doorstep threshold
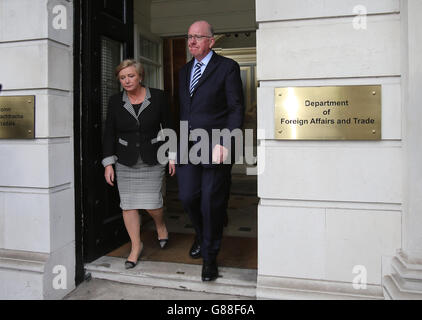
<point>231,281</point>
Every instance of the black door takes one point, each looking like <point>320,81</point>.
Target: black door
<point>105,38</point>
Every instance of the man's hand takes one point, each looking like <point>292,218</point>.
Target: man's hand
<point>172,168</point>
<point>219,154</point>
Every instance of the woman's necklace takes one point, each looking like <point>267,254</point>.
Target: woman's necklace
<point>137,98</point>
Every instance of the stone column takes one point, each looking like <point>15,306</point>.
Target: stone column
<point>405,281</point>
<point>37,214</point>
<point>328,208</point>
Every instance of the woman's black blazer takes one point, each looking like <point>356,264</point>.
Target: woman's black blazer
<point>126,137</point>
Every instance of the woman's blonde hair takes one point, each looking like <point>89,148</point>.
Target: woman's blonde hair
<point>130,63</point>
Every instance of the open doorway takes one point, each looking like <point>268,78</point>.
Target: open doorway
<point>108,33</point>
<point>239,244</point>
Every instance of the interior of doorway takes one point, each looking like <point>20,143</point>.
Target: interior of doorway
<point>239,244</point>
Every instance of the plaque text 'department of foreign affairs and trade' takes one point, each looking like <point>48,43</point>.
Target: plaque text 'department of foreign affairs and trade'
<point>328,113</point>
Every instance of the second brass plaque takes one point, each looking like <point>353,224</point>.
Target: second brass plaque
<point>17,117</point>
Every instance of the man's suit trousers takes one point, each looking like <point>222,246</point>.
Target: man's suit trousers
<point>204,192</point>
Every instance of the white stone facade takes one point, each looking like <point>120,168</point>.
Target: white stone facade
<point>37,215</point>
<point>328,209</point>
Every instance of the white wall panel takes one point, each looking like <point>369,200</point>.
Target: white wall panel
<point>2,219</point>
<point>60,71</point>
<point>265,112</point>
<point>54,115</point>
<point>276,10</point>
<point>328,49</point>
<point>325,244</point>
<point>49,213</point>
<point>24,163</point>
<point>22,20</point>
<point>61,161</point>
<point>36,64</point>
<point>37,164</point>
<point>18,285</point>
<point>27,222</point>
<point>291,242</point>
<point>357,237</point>
<point>355,172</point>
<point>60,115</point>
<point>62,218</point>
<point>24,64</point>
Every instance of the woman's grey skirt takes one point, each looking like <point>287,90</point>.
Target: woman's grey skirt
<point>140,185</point>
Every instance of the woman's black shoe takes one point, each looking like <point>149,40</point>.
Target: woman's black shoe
<point>131,264</point>
<point>163,243</point>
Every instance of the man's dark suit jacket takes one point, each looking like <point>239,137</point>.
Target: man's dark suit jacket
<point>126,137</point>
<point>217,101</point>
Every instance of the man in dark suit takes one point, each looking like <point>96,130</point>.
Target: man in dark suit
<point>211,97</point>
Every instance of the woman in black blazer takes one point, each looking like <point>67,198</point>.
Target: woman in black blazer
<point>132,137</point>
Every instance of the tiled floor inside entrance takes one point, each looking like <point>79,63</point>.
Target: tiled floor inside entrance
<point>239,245</point>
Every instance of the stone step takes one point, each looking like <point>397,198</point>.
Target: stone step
<point>410,279</point>
<point>231,281</point>
<point>393,292</point>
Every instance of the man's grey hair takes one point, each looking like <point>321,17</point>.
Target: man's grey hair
<point>210,27</point>
<point>211,30</point>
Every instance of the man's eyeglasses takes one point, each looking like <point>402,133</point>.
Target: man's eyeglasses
<point>196,37</point>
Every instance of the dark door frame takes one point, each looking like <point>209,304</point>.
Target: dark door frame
<point>77,103</point>
<point>87,93</point>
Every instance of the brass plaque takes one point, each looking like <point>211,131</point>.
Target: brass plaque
<point>328,113</point>
<point>17,117</point>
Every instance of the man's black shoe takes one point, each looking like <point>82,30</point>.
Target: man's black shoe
<point>209,271</point>
<point>195,250</point>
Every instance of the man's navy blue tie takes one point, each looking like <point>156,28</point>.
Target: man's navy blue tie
<point>196,76</point>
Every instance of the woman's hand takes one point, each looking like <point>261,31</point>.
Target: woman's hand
<point>172,168</point>
<point>109,175</point>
